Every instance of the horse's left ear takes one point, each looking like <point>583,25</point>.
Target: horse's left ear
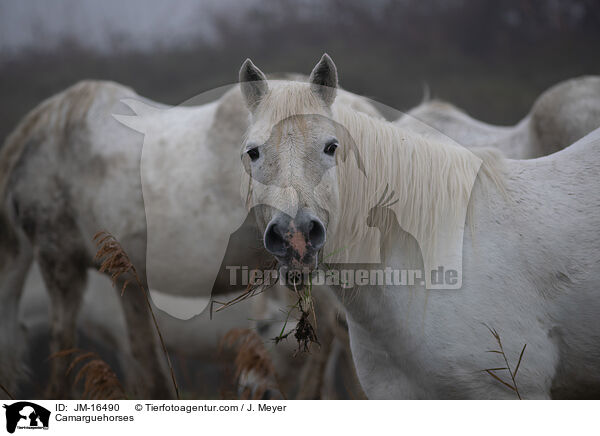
<point>324,80</point>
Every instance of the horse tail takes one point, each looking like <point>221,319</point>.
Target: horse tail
<point>9,155</point>
<point>14,145</point>
<point>53,116</point>
<point>15,256</point>
<point>51,120</point>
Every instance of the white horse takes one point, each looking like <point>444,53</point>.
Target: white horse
<point>71,169</point>
<point>530,251</point>
<point>559,117</point>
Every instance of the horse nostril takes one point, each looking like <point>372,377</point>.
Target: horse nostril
<point>274,241</point>
<point>316,234</point>
<point>295,277</point>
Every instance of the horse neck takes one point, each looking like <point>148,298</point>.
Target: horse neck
<point>374,307</point>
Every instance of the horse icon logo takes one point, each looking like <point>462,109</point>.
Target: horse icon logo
<point>26,415</point>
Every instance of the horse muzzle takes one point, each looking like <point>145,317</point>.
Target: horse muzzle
<point>295,242</point>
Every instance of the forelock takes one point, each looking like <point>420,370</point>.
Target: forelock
<point>286,99</point>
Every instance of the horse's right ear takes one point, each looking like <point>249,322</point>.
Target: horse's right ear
<point>253,83</point>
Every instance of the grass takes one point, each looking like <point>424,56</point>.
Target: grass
<point>251,291</point>
<point>304,332</point>
<point>6,392</point>
<point>116,262</point>
<point>252,358</point>
<point>512,383</point>
<point>99,380</point>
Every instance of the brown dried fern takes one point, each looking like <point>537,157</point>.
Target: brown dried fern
<point>116,262</point>
<point>251,357</point>
<point>99,380</point>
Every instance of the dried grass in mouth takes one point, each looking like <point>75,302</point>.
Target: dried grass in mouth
<point>116,262</point>
<point>252,361</point>
<point>304,332</point>
<point>99,380</point>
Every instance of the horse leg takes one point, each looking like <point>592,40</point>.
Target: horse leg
<point>148,377</point>
<point>15,260</point>
<point>64,270</point>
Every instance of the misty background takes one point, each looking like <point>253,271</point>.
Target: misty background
<point>491,58</point>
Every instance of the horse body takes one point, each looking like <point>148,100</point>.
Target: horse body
<point>440,120</point>
<point>78,172</point>
<point>534,285</point>
<point>559,117</point>
<point>72,168</point>
<point>530,249</point>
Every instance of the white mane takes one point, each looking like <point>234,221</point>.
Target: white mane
<point>431,180</point>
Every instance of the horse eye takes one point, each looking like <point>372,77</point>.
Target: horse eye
<point>253,153</point>
<point>330,148</point>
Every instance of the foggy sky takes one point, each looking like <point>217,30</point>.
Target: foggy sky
<point>103,24</point>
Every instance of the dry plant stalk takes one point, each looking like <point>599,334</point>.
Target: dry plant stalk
<point>252,357</point>
<point>251,291</point>
<point>512,384</point>
<point>116,262</point>
<point>100,381</point>
<point>6,392</point>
